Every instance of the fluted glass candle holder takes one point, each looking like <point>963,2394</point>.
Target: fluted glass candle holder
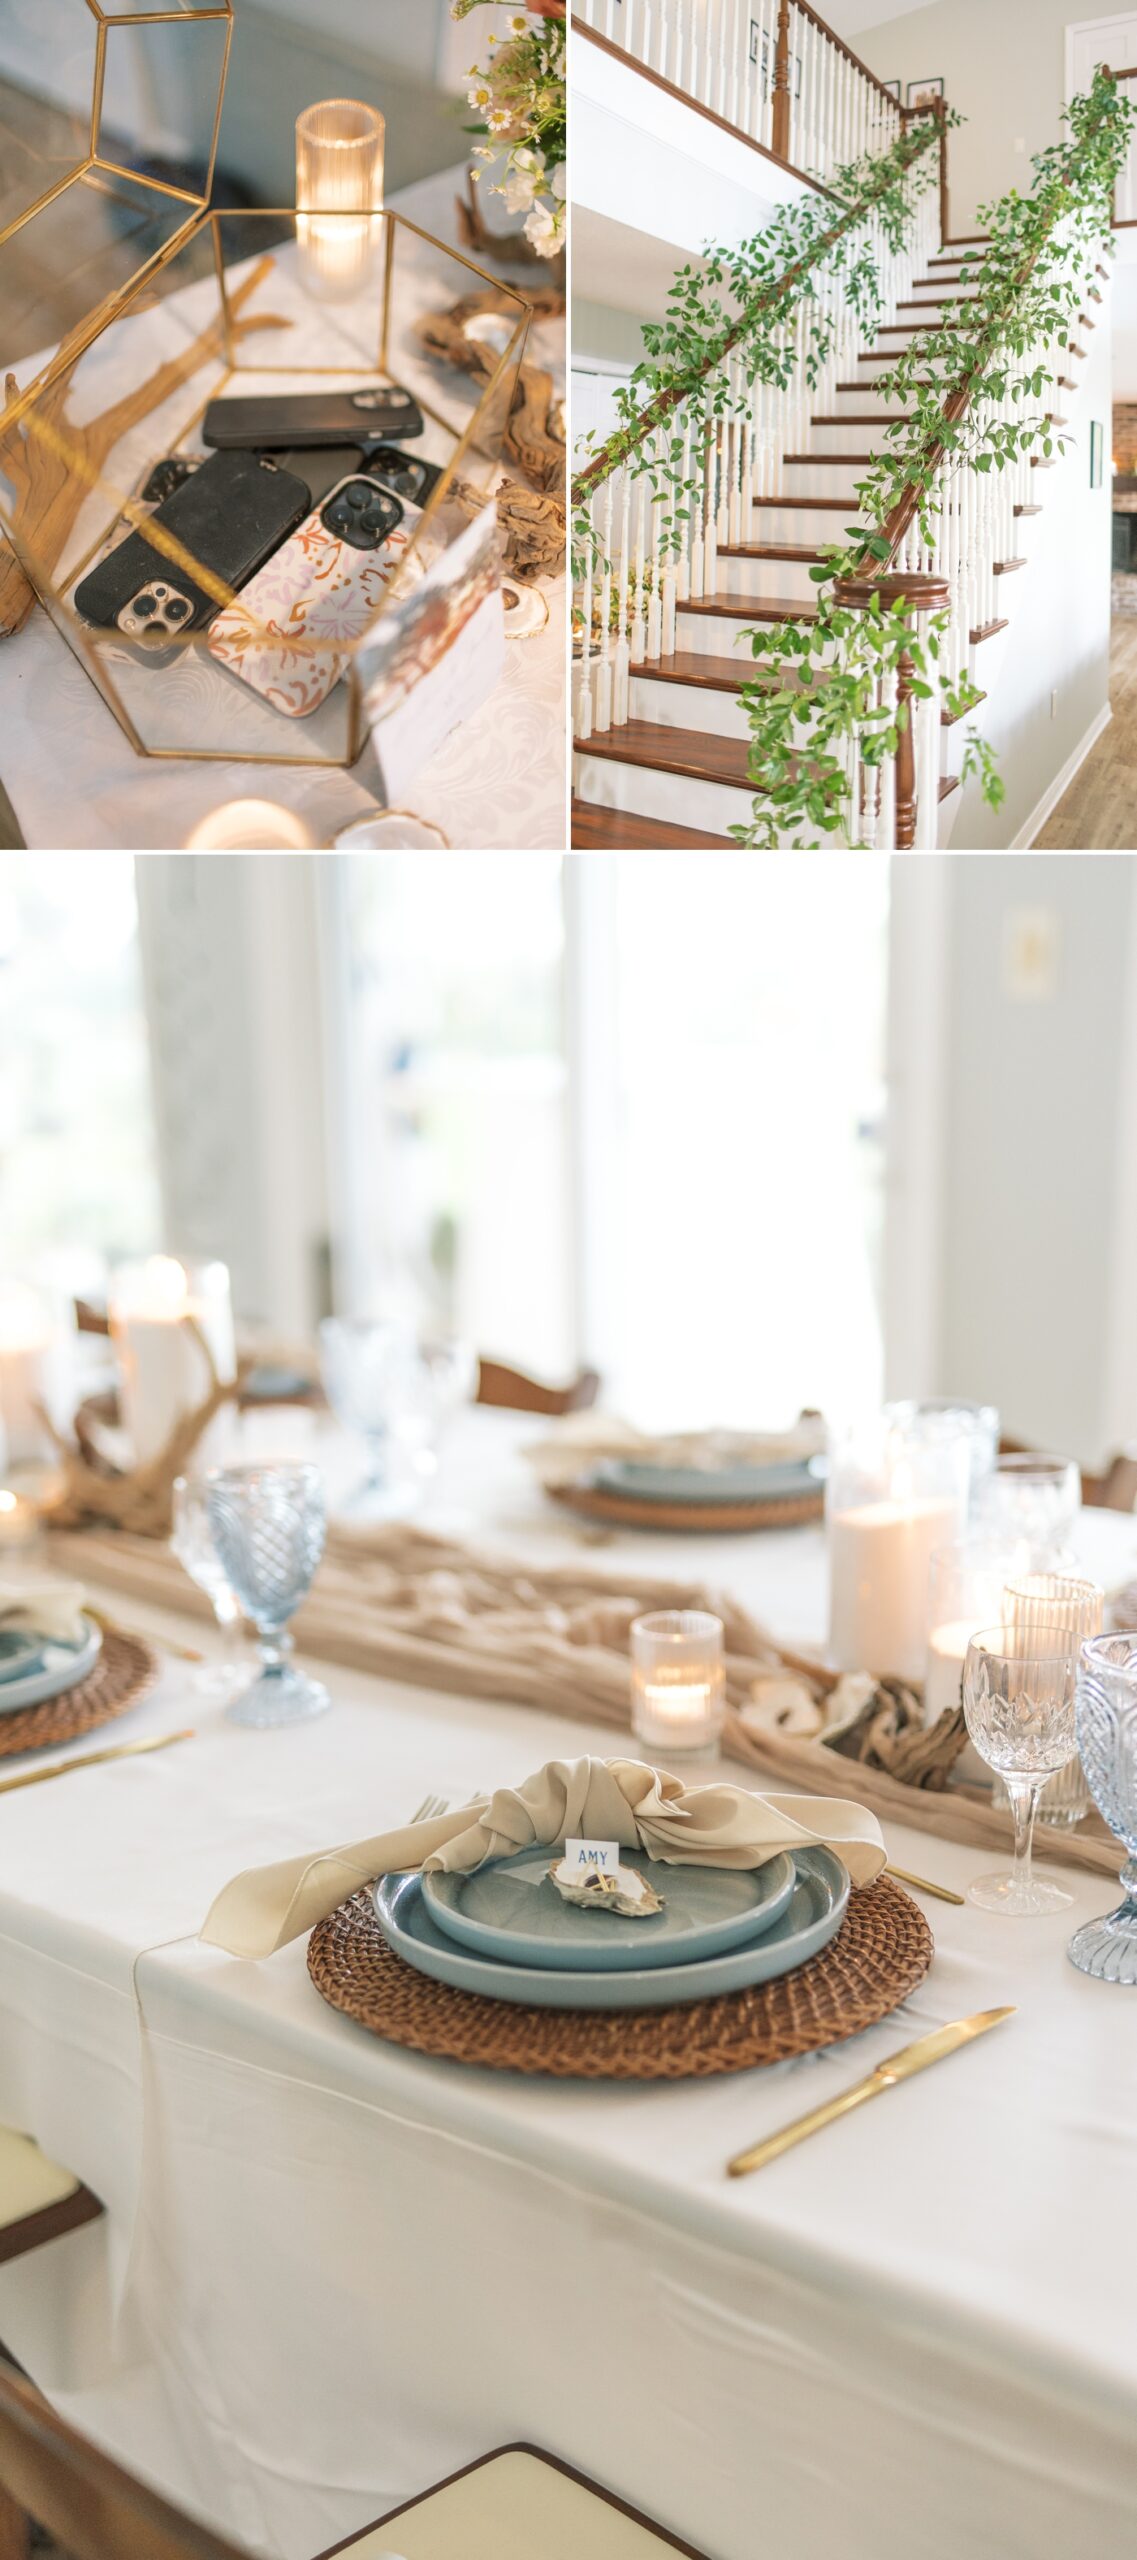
<point>1038,1605</point>
<point>339,193</point>
<point>1032,1496</point>
<point>678,1682</point>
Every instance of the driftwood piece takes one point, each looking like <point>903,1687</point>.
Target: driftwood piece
<point>889,1734</point>
<point>529,440</point>
<point>141,1500</point>
<point>51,467</point>
<point>532,526</point>
<point>509,248</point>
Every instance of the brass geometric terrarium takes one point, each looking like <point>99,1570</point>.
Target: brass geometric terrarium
<point>130,301</point>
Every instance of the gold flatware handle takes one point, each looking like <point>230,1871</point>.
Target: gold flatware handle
<point>92,1760</point>
<point>910,2059</point>
<point>923,1884</point>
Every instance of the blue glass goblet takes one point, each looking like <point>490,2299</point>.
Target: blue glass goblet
<point>1106,1715</point>
<point>269,1525</point>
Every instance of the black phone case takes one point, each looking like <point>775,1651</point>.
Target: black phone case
<point>232,515</point>
<point>276,424</point>
<point>321,466</point>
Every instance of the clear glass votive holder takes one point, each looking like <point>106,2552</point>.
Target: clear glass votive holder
<point>894,1495</point>
<point>339,196</point>
<point>678,1683</point>
<point>1035,1497</point>
<point>947,1418</point>
<point>1038,1606</point>
<point>1106,1723</point>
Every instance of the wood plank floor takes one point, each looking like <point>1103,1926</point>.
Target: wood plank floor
<point>1098,814</point>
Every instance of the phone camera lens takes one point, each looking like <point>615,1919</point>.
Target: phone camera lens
<point>144,606</point>
<point>177,609</point>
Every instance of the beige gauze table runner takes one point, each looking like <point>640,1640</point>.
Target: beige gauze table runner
<point>403,1604</point>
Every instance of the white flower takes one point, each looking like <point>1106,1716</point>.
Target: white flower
<point>545,228</point>
<point>523,177</point>
<point>500,121</point>
<point>479,96</point>
<point>559,180</point>
<point>519,26</point>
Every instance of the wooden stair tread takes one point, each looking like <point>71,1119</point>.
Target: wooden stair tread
<point>825,505</point>
<point>752,608</point>
<point>685,666</point>
<point>860,418</point>
<point>827,461</point>
<point>949,783</point>
<point>803,554</point>
<point>987,630</point>
<point>1003,568</point>
<point>689,752</point>
<point>618,830</point>
<point>948,719</point>
<point>1028,511</point>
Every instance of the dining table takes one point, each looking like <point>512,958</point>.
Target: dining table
<point>332,2271</point>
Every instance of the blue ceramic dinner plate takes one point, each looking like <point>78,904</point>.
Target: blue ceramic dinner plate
<point>812,1917</point>
<point>785,1482</point>
<point>54,1668</point>
<point>512,1910</point>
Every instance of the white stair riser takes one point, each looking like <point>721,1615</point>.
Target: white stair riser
<point>713,712</point>
<point>709,808</point>
<point>814,528</point>
<point>789,579</point>
<point>834,479</point>
<point>838,439</point>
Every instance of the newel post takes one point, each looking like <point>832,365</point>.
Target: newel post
<point>780,136</point>
<point>917,592</point>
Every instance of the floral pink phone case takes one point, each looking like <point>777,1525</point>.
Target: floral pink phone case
<point>286,634</point>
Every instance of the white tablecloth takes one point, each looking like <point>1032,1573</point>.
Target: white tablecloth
<point>499,781</point>
<point>331,2272</point>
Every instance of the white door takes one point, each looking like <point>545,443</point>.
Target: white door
<point>1111,39</point>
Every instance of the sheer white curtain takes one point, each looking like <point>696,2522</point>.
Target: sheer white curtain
<point>630,1111</point>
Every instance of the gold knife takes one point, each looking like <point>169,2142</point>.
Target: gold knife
<point>911,2058</point>
<point>91,1760</point>
<point>923,1884</point>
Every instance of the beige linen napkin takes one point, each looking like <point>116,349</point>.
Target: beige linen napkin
<point>624,1800</point>
<point>52,1609</point>
<point>564,1455</point>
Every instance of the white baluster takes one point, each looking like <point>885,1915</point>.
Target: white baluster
<point>582,718</point>
<point>621,686</point>
<point>602,695</point>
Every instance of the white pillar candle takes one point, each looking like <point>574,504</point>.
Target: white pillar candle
<point>947,1653</point>
<point>879,1555</point>
<point>30,1354</point>
<point>163,1372</point>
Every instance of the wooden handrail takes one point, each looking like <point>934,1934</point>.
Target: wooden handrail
<point>608,460</point>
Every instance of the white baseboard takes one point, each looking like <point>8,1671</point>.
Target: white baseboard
<point>1062,781</point>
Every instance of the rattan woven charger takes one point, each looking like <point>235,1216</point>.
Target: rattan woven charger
<point>881,1952</point>
<point>125,1670</point>
<point>630,1511</point>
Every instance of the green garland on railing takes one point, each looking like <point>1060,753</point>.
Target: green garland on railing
<point>1028,298</point>
<point>768,278</point>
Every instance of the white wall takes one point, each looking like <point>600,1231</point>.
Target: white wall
<point>1048,676</point>
<point>1034,1181</point>
<point>1004,65</point>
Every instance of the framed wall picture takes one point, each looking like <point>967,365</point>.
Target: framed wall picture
<point>922,92</point>
<point>893,88</point>
<point>1097,454</point>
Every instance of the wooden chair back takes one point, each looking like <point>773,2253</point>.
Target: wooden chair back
<point>511,1389</point>
<point>80,2498</point>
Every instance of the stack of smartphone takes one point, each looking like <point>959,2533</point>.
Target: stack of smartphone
<point>301,508</point>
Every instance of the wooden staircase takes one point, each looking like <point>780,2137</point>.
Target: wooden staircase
<point>677,770</point>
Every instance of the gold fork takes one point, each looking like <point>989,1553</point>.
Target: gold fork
<point>92,1760</point>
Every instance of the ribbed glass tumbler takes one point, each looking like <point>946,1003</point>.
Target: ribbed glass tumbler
<point>269,1525</point>
<point>1107,1742</point>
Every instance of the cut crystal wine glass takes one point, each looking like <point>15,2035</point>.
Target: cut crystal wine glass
<point>269,1525</point>
<point>1018,1700</point>
<point>1107,1742</point>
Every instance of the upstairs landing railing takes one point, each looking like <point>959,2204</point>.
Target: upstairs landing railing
<point>769,70</point>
